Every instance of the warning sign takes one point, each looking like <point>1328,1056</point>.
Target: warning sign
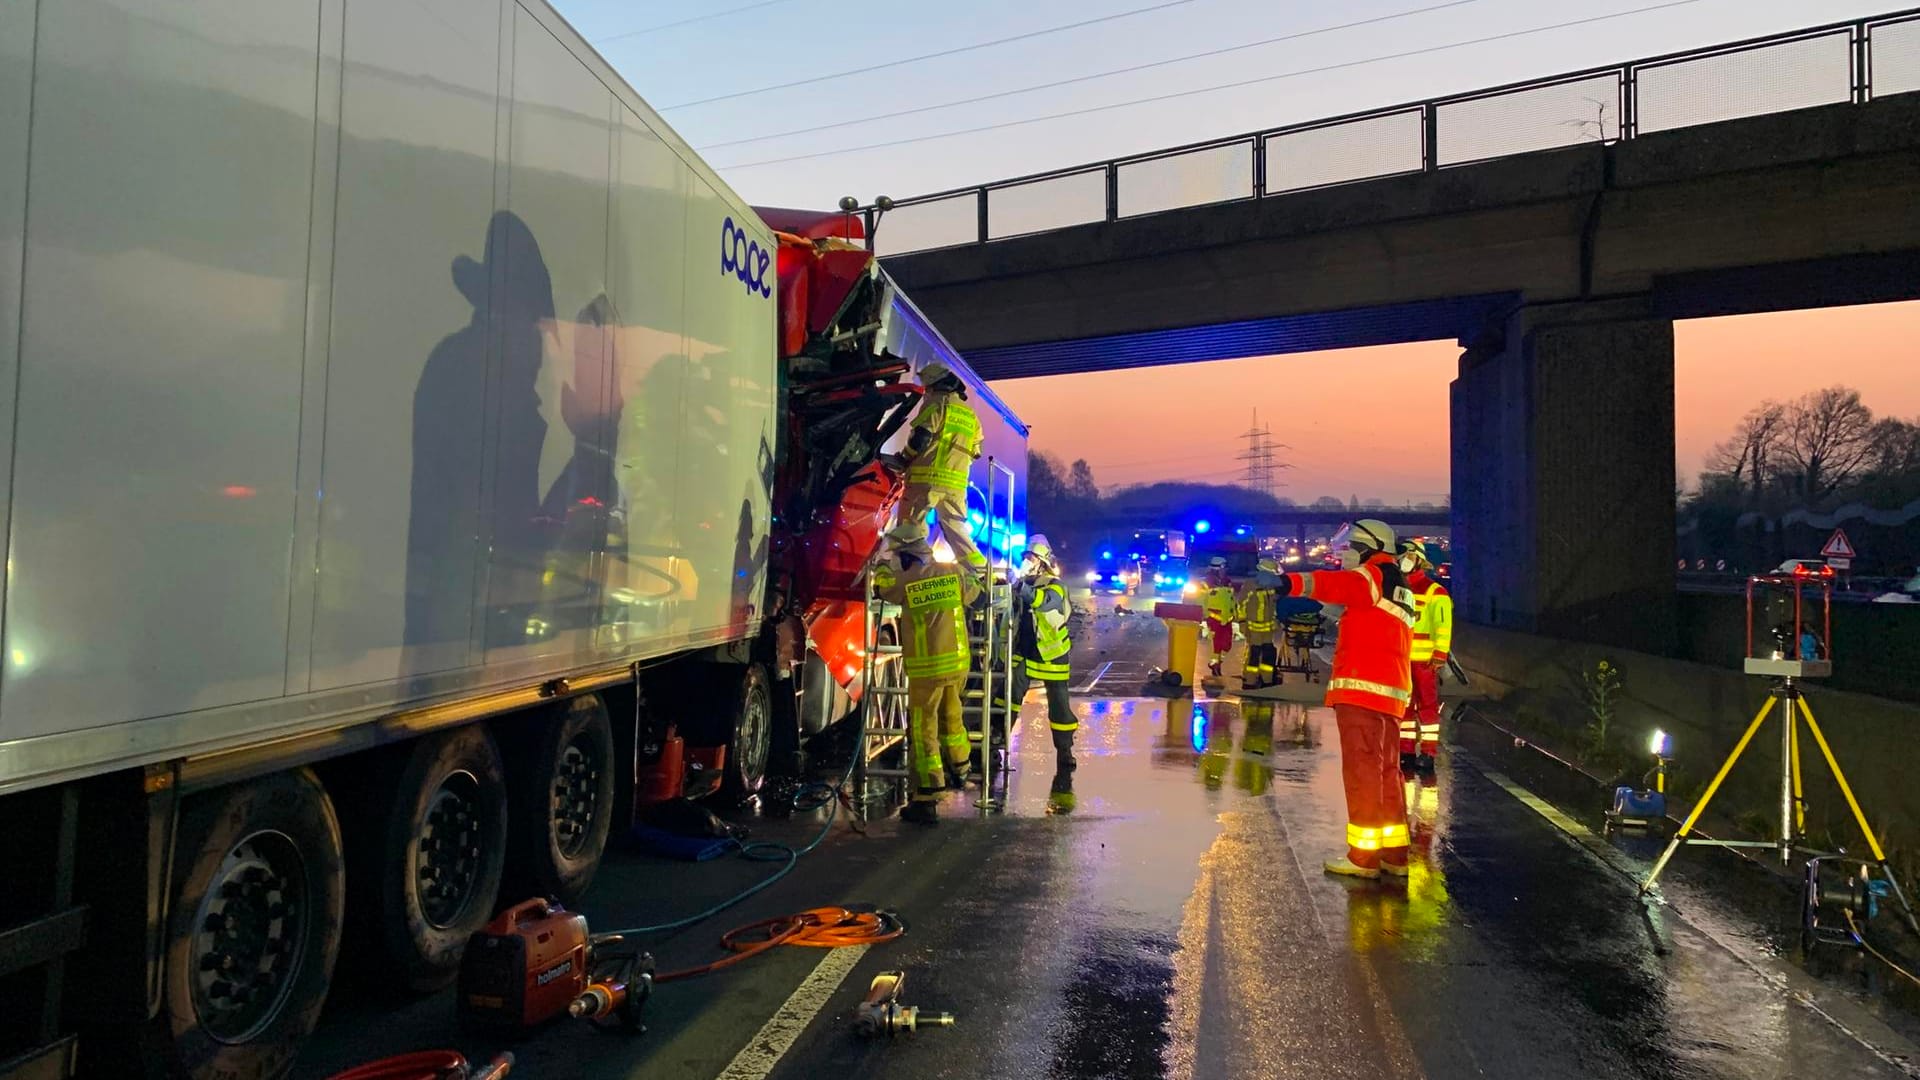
<point>1838,546</point>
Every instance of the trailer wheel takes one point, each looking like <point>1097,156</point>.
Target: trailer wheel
<point>441,852</point>
<point>253,927</point>
<point>749,698</point>
<point>561,805</point>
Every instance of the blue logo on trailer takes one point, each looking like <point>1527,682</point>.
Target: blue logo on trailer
<point>743,257</point>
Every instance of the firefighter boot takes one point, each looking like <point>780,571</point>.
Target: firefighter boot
<point>1345,867</point>
<point>921,812</point>
<point>1063,751</point>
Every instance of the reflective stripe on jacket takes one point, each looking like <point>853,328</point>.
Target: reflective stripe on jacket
<point>1220,604</point>
<point>1433,621</point>
<point>933,625</point>
<point>1256,610</point>
<point>956,443</point>
<point>1371,653</point>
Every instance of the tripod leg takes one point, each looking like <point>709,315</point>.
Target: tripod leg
<point>1859,815</point>
<point>1699,807</point>
<point>1846,789</point>
<point>1799,790</point>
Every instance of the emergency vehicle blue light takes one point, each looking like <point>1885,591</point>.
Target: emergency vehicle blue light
<point>1106,554</point>
<point>1202,526</point>
<point>1241,531</point>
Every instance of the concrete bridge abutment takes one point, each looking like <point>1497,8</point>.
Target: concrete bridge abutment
<point>1563,475</point>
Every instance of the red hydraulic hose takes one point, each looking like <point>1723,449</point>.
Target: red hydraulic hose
<point>426,1065</point>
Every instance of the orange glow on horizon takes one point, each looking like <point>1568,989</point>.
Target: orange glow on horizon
<point>1184,422</point>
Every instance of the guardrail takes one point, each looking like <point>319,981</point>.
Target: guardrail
<point>1843,62</point>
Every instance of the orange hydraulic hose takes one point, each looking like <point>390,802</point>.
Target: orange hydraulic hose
<point>819,928</point>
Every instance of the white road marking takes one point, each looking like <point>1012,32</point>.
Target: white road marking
<point>1091,683</point>
<point>757,1059</point>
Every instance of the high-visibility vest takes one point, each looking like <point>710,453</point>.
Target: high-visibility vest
<point>1052,641</point>
<point>1371,656</point>
<point>933,597</point>
<point>1432,623</point>
<point>1256,610</point>
<point>956,443</point>
<point>1220,604</point>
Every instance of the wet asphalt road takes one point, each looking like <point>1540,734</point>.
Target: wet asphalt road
<point>1176,924</point>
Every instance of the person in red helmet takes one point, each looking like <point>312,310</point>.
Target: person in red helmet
<point>1368,689</point>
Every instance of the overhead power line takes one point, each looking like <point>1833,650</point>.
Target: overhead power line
<point>956,51</point>
<point>1094,76</point>
<point>1089,110</point>
<point>688,21</point>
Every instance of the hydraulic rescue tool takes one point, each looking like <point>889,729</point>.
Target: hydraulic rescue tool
<point>882,1013</point>
<point>536,961</point>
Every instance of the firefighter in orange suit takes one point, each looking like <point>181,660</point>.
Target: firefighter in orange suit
<point>1221,605</point>
<point>1432,638</point>
<point>1368,689</point>
<point>936,654</point>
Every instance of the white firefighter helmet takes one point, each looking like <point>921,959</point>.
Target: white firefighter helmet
<point>1368,533</point>
<point>935,373</point>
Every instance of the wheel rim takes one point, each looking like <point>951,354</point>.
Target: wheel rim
<point>756,716</point>
<point>576,795</point>
<point>447,864</point>
<point>250,933</point>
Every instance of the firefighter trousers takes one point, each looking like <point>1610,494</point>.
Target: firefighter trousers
<point>1420,727</point>
<point>1061,721</point>
<point>1220,639</point>
<point>1376,802</point>
<point>950,510</point>
<point>1262,660</point>
<point>935,730</point>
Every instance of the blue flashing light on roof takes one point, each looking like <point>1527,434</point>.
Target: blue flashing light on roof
<point>1203,526</point>
<point>1241,531</point>
<point>1106,554</point>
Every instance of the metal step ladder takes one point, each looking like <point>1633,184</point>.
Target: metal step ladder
<point>885,718</point>
<point>884,714</point>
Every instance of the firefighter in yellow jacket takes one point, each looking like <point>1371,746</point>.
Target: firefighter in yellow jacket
<point>1220,604</point>
<point>1432,644</point>
<point>1043,643</point>
<point>936,653</point>
<point>942,445</point>
<point>1256,616</point>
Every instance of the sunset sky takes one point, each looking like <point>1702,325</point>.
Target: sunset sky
<point>856,62</point>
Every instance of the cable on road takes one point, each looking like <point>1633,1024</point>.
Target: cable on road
<point>426,1065</point>
<point>1198,90</point>
<point>810,797</point>
<point>818,928</point>
<point>1861,939</point>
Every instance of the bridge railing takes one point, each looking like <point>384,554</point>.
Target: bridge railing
<point>1855,61</point>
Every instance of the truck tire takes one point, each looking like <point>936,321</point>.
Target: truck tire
<point>747,698</point>
<point>561,800</point>
<point>439,854</point>
<point>254,924</point>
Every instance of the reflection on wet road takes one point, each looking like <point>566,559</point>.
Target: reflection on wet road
<point>1177,924</point>
<point>1160,912</point>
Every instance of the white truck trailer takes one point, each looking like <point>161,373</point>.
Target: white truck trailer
<point>382,384</point>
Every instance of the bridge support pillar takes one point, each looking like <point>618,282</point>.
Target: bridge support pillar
<point>1563,475</point>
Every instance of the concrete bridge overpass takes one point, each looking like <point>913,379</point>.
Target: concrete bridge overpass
<point>1554,228</point>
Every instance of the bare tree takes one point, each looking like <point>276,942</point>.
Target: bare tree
<point>1826,442</point>
<point>1896,447</point>
<point>1747,459</point>
<point>1080,483</point>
